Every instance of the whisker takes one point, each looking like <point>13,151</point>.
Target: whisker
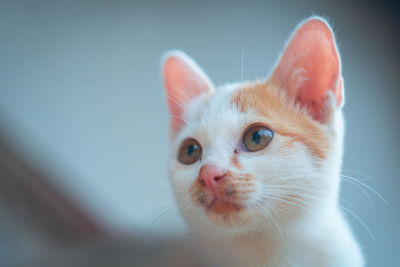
<point>269,217</point>
<point>293,189</point>
<point>279,199</point>
<point>346,202</point>
<point>360,221</point>
<point>361,189</point>
<point>366,177</point>
<point>367,187</point>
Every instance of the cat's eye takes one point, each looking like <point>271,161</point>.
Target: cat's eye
<point>257,137</point>
<point>189,152</point>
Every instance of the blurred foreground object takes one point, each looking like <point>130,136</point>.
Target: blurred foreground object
<point>39,226</point>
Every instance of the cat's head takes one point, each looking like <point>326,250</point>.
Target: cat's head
<point>267,152</point>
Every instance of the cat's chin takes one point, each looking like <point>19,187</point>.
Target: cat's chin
<point>227,214</point>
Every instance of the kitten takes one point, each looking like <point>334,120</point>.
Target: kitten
<point>255,166</point>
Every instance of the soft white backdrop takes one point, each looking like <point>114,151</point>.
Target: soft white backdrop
<point>81,96</point>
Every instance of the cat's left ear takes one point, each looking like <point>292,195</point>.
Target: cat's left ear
<point>310,71</point>
<point>184,81</point>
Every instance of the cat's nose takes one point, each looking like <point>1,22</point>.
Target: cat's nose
<point>210,175</point>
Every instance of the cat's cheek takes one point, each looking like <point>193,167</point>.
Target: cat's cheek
<point>181,177</point>
<point>200,198</point>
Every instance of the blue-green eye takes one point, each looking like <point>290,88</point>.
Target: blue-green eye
<point>256,138</point>
<point>189,152</point>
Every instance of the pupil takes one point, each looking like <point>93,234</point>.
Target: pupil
<point>256,137</point>
<point>190,150</point>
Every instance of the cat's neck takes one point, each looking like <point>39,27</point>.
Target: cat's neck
<point>268,245</point>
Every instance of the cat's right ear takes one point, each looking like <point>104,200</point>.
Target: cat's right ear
<point>183,81</point>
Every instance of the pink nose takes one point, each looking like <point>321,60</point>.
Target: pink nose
<point>209,175</point>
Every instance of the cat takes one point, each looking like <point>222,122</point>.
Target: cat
<point>255,166</point>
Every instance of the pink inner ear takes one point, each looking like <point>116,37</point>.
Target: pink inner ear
<point>184,81</point>
<point>310,66</point>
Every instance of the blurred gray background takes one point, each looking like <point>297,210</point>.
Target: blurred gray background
<point>81,98</point>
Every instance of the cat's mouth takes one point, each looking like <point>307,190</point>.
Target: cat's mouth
<point>221,206</point>
<point>226,213</point>
<point>225,204</point>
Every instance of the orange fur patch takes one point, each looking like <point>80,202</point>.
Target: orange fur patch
<point>235,162</point>
<point>269,101</point>
<point>228,208</point>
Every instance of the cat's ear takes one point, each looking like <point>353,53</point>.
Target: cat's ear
<point>183,81</point>
<point>309,69</point>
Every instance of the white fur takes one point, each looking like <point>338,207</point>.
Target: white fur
<point>309,232</point>
<point>318,236</point>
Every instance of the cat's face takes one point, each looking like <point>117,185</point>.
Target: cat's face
<point>247,155</point>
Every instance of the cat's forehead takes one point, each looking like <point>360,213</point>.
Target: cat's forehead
<point>214,107</point>
<point>214,115</point>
